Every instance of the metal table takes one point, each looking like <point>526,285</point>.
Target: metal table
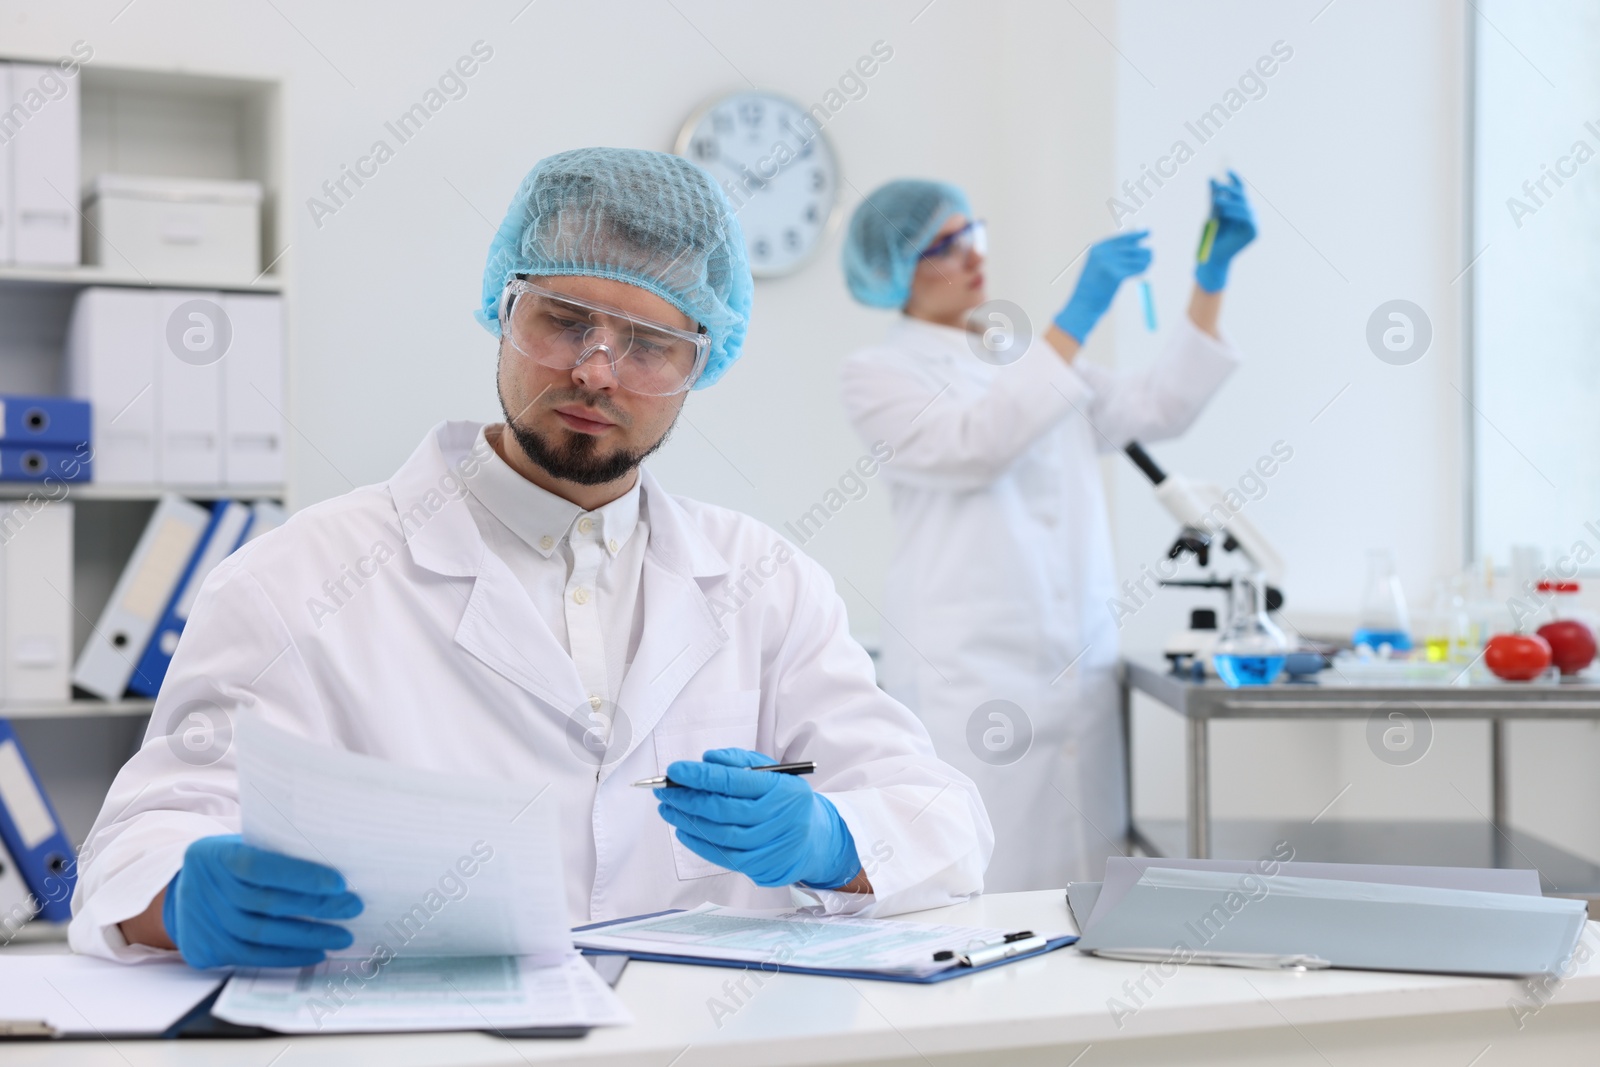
<point>1199,702</point>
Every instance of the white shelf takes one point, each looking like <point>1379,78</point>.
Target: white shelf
<point>76,709</point>
<point>38,932</point>
<point>79,277</point>
<point>94,491</point>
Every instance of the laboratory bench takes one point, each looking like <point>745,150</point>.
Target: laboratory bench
<point>1487,843</point>
<point>1060,1009</point>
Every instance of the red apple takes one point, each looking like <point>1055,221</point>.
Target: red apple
<point>1572,645</point>
<point>1517,657</point>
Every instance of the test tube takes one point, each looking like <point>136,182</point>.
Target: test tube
<point>1207,237</point>
<point>1148,298</point>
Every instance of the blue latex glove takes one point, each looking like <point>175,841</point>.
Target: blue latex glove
<point>232,904</point>
<point>1110,262</point>
<point>774,828</point>
<point>1236,227</point>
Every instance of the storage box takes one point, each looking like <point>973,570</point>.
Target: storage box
<point>175,228</point>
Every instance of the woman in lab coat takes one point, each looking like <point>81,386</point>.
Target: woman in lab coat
<point>997,629</point>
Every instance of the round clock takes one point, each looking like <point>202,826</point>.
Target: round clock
<point>778,168</point>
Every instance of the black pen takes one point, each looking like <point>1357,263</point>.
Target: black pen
<point>661,781</point>
<point>1011,944</point>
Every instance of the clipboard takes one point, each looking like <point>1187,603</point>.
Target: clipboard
<point>198,1022</point>
<point>955,970</point>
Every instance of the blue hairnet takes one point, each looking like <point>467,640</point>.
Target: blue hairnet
<point>889,230</point>
<point>646,218</point>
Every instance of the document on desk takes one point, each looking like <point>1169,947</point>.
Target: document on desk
<point>422,993</point>
<point>445,865</point>
<point>791,939</point>
<point>72,995</point>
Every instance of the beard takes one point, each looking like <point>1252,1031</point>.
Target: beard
<point>576,457</point>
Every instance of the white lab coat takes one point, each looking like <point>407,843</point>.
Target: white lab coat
<point>1002,570</point>
<point>437,659</point>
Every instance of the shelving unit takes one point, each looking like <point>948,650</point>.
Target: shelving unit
<point>89,491</point>
<point>79,709</point>
<point>160,124</point>
<point>82,277</point>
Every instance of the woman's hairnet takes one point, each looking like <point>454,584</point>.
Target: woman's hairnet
<point>889,230</point>
<point>646,218</point>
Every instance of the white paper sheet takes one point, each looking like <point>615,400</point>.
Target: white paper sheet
<point>423,993</point>
<point>444,864</point>
<point>82,995</point>
<point>794,939</point>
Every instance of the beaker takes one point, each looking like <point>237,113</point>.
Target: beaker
<point>1252,649</point>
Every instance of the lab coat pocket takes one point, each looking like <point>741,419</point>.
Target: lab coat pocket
<point>724,720</point>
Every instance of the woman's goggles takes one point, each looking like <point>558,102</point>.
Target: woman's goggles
<point>971,237</point>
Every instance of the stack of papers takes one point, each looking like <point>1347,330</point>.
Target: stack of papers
<point>423,993</point>
<point>465,923</point>
<point>792,940</point>
<point>444,864</point>
<point>1433,919</point>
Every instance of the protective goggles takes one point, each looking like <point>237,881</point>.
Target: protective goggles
<point>971,237</point>
<point>560,332</point>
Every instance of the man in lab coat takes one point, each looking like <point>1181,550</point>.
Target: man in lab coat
<point>524,601</point>
<point>999,637</point>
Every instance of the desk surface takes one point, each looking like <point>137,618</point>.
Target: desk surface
<point>1329,696</point>
<point>1044,1010</point>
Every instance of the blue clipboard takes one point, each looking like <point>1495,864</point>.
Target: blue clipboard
<point>953,971</point>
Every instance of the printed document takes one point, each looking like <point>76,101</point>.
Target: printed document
<point>446,865</point>
<point>422,993</point>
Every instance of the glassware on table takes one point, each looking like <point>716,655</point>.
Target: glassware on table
<point>1448,637</point>
<point>1383,620</point>
<point>1251,650</point>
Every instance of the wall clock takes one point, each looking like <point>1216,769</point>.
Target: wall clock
<point>775,162</point>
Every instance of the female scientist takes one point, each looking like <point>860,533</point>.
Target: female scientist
<point>997,633</point>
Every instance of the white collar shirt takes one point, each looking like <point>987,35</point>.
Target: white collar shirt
<point>580,568</point>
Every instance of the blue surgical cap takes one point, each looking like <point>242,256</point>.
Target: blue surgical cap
<point>646,218</point>
<point>889,230</point>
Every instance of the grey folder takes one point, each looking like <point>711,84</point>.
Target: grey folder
<point>1377,925</point>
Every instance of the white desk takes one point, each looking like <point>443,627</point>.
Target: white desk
<point>1041,1011</point>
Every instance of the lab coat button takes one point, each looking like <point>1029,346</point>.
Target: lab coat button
<point>612,545</point>
<point>585,524</point>
<point>594,702</point>
<point>547,543</point>
<point>580,595</point>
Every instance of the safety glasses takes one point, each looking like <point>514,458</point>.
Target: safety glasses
<point>560,332</point>
<point>972,236</point>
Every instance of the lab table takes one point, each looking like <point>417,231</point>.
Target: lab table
<point>1060,1009</point>
<point>1494,843</point>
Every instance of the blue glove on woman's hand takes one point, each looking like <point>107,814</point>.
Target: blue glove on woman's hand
<point>235,904</point>
<point>773,828</point>
<point>1236,227</point>
<point>1110,262</point>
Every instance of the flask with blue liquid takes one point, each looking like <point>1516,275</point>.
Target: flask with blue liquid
<point>1385,625</point>
<point>1252,650</point>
